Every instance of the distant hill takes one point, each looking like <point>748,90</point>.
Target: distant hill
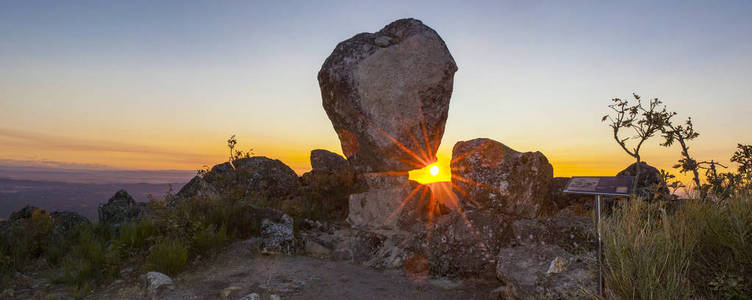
<point>78,188</point>
<point>83,198</point>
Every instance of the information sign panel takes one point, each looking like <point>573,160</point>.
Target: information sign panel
<point>612,186</point>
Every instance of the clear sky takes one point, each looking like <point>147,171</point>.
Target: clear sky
<point>162,84</point>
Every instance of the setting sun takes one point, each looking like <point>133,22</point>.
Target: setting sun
<point>435,172</point>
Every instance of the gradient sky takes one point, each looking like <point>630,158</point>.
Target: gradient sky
<point>162,84</point>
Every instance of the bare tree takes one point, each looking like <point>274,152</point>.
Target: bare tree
<point>645,121</point>
<point>682,134</point>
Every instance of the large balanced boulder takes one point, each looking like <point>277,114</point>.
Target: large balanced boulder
<point>258,175</point>
<point>120,209</point>
<point>650,184</point>
<point>490,174</point>
<point>387,95</point>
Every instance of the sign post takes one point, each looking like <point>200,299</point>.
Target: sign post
<point>600,186</point>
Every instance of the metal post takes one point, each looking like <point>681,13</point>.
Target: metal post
<point>600,253</point>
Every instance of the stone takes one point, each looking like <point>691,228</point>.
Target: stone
<point>524,271</point>
<point>65,222</point>
<point>379,205</point>
<point>558,265</point>
<point>573,234</point>
<point>329,162</point>
<point>257,176</point>
<point>277,235</point>
<point>121,209</point>
<point>251,296</point>
<point>275,297</point>
<point>490,174</point>
<point>466,246</point>
<point>650,185</point>
<point>155,281</point>
<point>387,96</point>
<point>328,185</point>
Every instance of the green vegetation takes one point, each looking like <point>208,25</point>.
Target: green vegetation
<point>168,257</point>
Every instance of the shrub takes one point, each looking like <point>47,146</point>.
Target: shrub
<point>169,257</point>
<point>208,238</point>
<point>135,236</point>
<point>90,260</point>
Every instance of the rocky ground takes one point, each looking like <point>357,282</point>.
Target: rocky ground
<point>236,272</point>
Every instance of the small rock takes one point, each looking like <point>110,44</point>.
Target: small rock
<point>228,291</point>
<point>251,296</point>
<point>155,280</point>
<point>275,297</point>
<point>558,265</point>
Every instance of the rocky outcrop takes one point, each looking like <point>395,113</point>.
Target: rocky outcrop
<point>462,247</point>
<point>275,230</point>
<point>387,95</point>
<point>120,209</point>
<point>494,175</point>
<point>63,222</point>
<point>573,234</point>
<point>650,185</point>
<point>259,176</point>
<point>328,185</point>
<point>546,272</point>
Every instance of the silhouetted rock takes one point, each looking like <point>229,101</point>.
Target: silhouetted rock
<point>650,185</point>
<point>491,174</point>
<point>389,91</point>
<point>121,209</point>
<point>258,175</point>
<point>328,185</point>
<point>62,222</point>
<point>66,221</point>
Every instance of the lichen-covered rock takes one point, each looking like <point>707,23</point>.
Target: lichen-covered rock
<point>120,209</point>
<point>387,95</point>
<point>494,175</point>
<point>650,185</point>
<point>277,235</point>
<point>573,234</point>
<point>258,175</point>
<point>466,246</point>
<point>524,271</point>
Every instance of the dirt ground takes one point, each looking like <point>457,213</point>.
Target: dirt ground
<point>295,277</point>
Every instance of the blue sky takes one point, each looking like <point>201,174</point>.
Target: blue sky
<point>164,83</point>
